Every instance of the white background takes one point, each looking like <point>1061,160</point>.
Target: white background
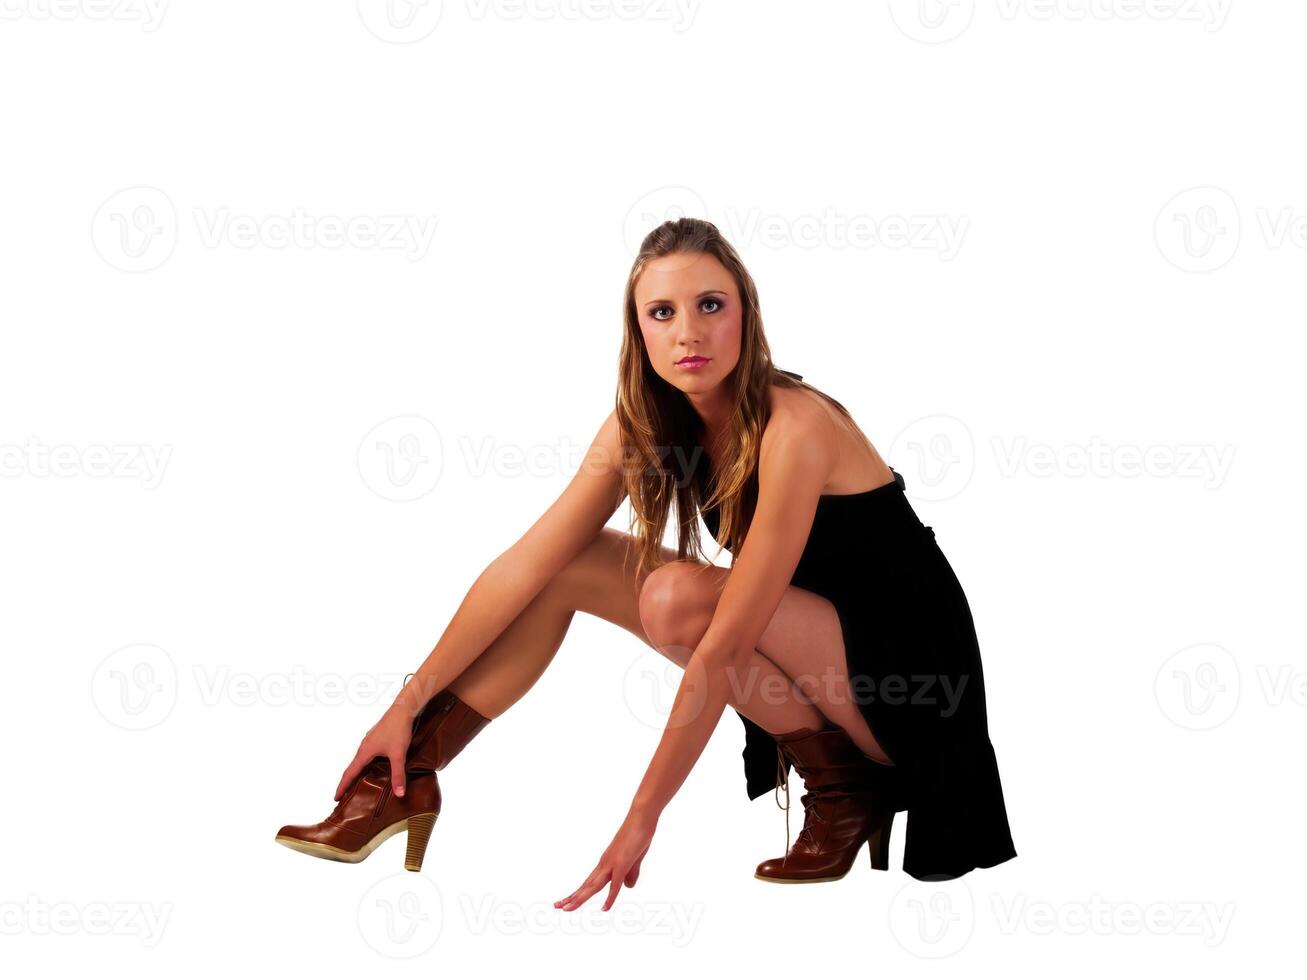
<point>1140,625</point>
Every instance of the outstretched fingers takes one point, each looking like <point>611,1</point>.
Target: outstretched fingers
<point>598,878</point>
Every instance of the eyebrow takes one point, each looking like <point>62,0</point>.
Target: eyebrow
<point>706,292</point>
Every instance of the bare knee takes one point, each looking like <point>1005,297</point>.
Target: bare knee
<point>676,604</point>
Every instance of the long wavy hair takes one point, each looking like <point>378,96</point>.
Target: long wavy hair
<point>663,460</point>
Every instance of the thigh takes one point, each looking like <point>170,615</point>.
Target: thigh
<point>601,580</point>
<point>804,639</point>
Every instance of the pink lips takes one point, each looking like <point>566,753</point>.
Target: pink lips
<point>693,362</point>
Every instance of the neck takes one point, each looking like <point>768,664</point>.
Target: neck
<point>714,411</point>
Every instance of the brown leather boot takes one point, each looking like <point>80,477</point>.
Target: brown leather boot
<point>850,800</point>
<point>369,812</point>
<point>441,730</point>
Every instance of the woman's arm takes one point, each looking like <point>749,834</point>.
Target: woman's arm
<point>515,577</point>
<point>799,451</point>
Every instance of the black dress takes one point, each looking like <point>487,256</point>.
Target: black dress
<point>914,667</point>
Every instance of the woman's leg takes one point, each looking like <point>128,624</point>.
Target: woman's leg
<point>600,581</point>
<point>803,640</point>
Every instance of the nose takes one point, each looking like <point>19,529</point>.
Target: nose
<point>688,329</point>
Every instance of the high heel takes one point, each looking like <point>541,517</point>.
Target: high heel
<point>419,832</point>
<point>370,813</point>
<point>850,800</point>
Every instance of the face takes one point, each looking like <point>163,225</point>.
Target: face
<point>687,304</point>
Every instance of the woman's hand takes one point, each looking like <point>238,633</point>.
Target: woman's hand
<point>620,863</point>
<point>389,738</point>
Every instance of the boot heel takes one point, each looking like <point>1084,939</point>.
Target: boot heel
<point>419,832</point>
<point>878,843</point>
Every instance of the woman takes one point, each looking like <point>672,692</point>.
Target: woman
<point>839,633</point>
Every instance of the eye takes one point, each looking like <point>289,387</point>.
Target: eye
<point>711,301</point>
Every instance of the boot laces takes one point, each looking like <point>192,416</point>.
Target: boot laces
<point>782,781</point>
<point>811,815</point>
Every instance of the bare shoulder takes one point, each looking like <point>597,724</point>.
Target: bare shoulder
<point>801,430</point>
<point>848,458</point>
<point>606,448</point>
<point>797,411</point>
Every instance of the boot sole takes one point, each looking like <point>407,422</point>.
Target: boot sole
<point>798,881</point>
<point>877,847</point>
<point>412,861</point>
